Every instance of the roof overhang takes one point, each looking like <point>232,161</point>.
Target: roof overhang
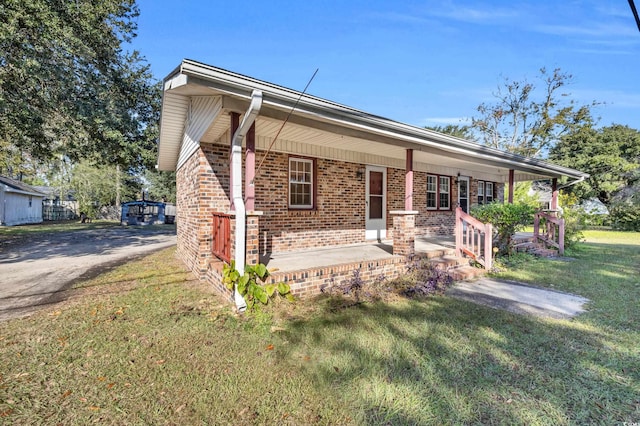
<point>328,124</point>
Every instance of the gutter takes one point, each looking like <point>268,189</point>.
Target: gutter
<point>236,190</point>
<point>315,108</point>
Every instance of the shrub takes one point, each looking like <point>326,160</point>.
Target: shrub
<point>626,217</point>
<point>424,279</point>
<point>506,219</point>
<point>574,219</point>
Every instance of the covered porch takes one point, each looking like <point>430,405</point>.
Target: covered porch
<point>265,173</point>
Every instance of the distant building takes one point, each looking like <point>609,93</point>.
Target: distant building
<point>19,203</point>
<point>543,192</point>
<point>57,204</point>
<point>147,212</point>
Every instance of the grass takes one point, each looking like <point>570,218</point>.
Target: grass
<point>162,349</point>
<point>50,227</point>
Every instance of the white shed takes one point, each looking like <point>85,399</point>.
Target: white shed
<point>19,203</point>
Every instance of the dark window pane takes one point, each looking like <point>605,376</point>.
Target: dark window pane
<point>375,183</point>
<point>463,189</point>
<point>431,200</point>
<point>375,207</point>
<point>444,201</point>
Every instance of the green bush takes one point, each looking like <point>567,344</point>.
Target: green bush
<point>626,217</point>
<point>506,219</point>
<point>574,219</point>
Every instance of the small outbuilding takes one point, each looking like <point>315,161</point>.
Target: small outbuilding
<point>146,212</point>
<point>19,203</point>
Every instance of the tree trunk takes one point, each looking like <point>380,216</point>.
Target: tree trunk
<point>117,185</point>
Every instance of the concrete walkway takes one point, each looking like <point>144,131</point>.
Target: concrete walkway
<point>519,298</point>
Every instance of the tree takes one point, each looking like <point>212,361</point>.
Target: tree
<point>611,155</point>
<point>96,186</point>
<point>523,124</point>
<point>162,185</point>
<point>68,88</point>
<point>457,130</point>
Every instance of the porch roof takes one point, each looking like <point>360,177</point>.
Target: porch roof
<point>323,129</point>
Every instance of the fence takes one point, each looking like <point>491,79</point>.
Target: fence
<point>58,213</point>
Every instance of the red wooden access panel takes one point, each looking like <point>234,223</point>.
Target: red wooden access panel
<point>221,236</point>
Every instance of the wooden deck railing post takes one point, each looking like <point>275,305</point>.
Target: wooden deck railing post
<point>488,246</point>
<point>536,226</point>
<point>458,232</point>
<point>561,238</point>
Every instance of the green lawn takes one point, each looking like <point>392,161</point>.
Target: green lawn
<point>162,349</point>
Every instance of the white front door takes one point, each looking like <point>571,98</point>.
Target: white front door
<point>463,193</point>
<point>376,203</point>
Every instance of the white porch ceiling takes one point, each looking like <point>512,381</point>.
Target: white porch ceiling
<point>297,139</point>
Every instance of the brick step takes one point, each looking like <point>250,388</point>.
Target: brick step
<point>444,252</point>
<point>466,272</point>
<point>457,267</point>
<point>448,261</point>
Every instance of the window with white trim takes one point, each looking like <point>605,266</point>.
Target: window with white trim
<point>438,192</point>
<point>300,183</point>
<point>432,192</point>
<point>485,192</point>
<point>445,189</point>
<point>488,192</point>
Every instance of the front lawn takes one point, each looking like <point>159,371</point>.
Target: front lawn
<point>170,352</point>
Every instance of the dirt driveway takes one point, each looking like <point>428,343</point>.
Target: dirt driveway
<point>35,271</point>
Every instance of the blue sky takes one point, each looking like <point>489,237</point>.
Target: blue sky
<point>420,62</point>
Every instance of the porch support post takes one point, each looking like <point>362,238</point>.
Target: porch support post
<point>253,237</point>
<point>250,170</point>
<point>235,123</point>
<point>408,182</point>
<point>554,195</point>
<point>511,177</point>
<point>404,231</point>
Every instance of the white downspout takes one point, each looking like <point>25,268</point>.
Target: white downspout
<point>236,189</point>
<point>581,179</point>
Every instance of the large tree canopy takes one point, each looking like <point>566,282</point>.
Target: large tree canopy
<point>527,119</point>
<point>67,87</point>
<point>611,155</point>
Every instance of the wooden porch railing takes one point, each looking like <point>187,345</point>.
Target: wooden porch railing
<point>552,232</point>
<point>221,236</point>
<point>474,238</point>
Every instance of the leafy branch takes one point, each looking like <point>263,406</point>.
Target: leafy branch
<point>250,284</point>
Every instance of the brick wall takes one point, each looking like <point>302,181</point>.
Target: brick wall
<point>201,189</point>
<point>338,217</point>
<point>312,281</point>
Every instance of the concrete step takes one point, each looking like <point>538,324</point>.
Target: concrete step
<point>536,249</point>
<point>544,252</point>
<point>527,246</point>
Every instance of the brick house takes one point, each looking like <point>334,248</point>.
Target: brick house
<point>332,177</point>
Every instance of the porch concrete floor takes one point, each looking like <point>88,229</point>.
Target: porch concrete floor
<point>322,257</point>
